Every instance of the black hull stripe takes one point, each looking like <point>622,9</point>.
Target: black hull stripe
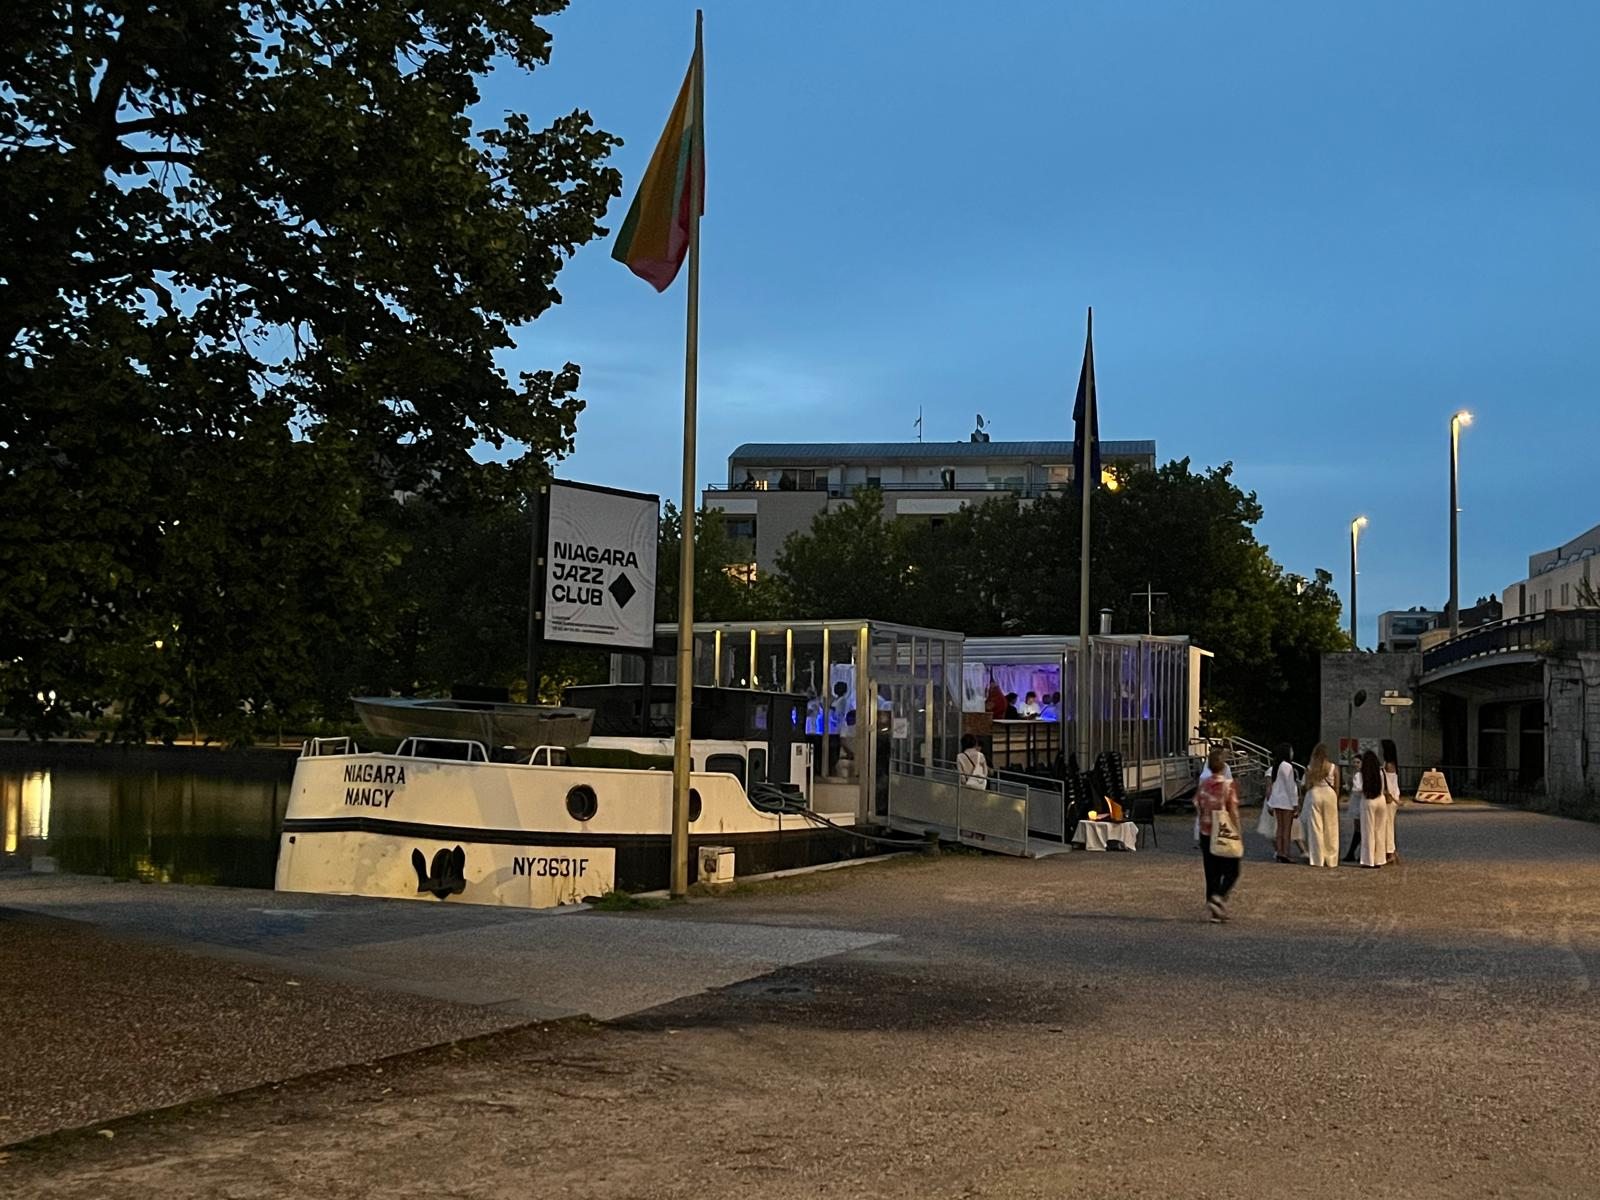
<point>534,837</point>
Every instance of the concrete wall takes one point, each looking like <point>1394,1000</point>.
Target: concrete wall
<point>1346,673</point>
<point>1572,727</point>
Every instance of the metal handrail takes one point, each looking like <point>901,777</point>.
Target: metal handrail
<point>1523,632</point>
<point>839,490</point>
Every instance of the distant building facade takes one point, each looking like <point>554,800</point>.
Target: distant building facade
<point>1401,630</point>
<point>1555,577</point>
<point>775,489</point>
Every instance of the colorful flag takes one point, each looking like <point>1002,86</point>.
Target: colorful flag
<point>1086,415</point>
<point>655,235</point>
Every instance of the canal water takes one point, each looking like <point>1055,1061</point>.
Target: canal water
<point>156,817</point>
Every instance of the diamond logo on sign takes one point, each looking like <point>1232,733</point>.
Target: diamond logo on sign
<point>622,591</point>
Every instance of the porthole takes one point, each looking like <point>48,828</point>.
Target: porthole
<point>694,805</point>
<point>582,803</point>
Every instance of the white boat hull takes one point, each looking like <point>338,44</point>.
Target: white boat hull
<point>499,833</point>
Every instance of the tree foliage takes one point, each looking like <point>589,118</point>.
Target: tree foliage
<point>236,228</point>
<point>1008,567</point>
<point>721,592</point>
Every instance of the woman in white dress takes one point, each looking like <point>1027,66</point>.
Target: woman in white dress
<point>1391,793</point>
<point>1282,801</point>
<point>1320,810</point>
<point>1366,790</point>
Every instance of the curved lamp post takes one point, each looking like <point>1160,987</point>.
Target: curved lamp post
<point>1459,420</point>
<point>1356,527</point>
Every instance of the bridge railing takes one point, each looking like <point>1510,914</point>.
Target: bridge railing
<point>1526,632</point>
<point>1562,630</point>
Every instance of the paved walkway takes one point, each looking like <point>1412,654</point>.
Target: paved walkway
<point>1065,1027</point>
<point>139,996</point>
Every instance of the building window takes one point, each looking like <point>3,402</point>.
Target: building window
<point>1563,595</point>
<point>799,479</point>
<point>742,528</point>
<point>1547,599</point>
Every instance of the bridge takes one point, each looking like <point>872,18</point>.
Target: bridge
<point>1512,701</point>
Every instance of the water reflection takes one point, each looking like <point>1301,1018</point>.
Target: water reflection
<point>157,826</point>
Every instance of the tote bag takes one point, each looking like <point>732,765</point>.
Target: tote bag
<point>1226,841</point>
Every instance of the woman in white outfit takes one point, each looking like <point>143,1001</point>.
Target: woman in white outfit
<point>1391,793</point>
<point>1367,791</point>
<point>1320,810</point>
<point>1282,801</point>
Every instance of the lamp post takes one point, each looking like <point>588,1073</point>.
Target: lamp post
<point>1456,422</point>
<point>1356,527</point>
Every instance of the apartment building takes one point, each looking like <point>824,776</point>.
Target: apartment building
<point>1555,577</point>
<point>775,489</point>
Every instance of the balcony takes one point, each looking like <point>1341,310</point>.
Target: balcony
<point>838,491</point>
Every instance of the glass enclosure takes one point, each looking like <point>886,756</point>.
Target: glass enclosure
<point>878,694</point>
<point>1142,702</point>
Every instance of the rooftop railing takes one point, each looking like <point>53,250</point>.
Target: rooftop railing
<point>1028,491</point>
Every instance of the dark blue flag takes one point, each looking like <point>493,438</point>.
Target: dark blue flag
<point>1086,416</point>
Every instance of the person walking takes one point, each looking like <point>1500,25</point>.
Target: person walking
<point>1391,794</point>
<point>1366,790</point>
<point>1283,801</point>
<point>1205,774</point>
<point>1221,842</point>
<point>1320,806</point>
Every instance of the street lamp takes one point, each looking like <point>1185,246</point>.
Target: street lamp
<point>1456,422</point>
<point>1356,527</point>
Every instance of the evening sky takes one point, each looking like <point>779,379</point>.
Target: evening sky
<point>1309,233</point>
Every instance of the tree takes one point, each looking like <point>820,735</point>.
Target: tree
<point>851,563</point>
<point>232,223</point>
<point>1005,567</point>
<point>722,592</point>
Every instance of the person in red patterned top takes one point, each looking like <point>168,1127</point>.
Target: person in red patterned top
<point>1217,792</point>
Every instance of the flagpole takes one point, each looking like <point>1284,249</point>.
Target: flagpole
<point>1086,458</point>
<point>691,369</point>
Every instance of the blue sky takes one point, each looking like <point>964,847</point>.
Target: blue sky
<point>1309,233</point>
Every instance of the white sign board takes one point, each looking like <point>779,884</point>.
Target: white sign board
<point>600,567</point>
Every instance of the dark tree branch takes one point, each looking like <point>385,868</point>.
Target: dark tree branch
<point>158,123</point>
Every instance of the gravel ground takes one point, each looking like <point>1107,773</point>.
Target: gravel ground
<point>93,1028</point>
<point>1064,1027</point>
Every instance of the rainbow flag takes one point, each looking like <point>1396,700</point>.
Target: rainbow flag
<point>655,235</point>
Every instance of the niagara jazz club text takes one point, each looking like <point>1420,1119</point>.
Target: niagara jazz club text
<point>579,571</point>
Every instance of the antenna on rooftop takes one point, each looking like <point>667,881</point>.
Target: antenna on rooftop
<point>918,425</point>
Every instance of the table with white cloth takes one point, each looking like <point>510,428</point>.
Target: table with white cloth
<point>1097,835</point>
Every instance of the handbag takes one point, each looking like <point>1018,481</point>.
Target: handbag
<point>1226,841</point>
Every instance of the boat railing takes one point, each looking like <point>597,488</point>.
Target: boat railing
<point>443,749</point>
<point>548,756</point>
<point>324,747</point>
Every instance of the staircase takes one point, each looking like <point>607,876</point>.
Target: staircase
<point>1251,764</point>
